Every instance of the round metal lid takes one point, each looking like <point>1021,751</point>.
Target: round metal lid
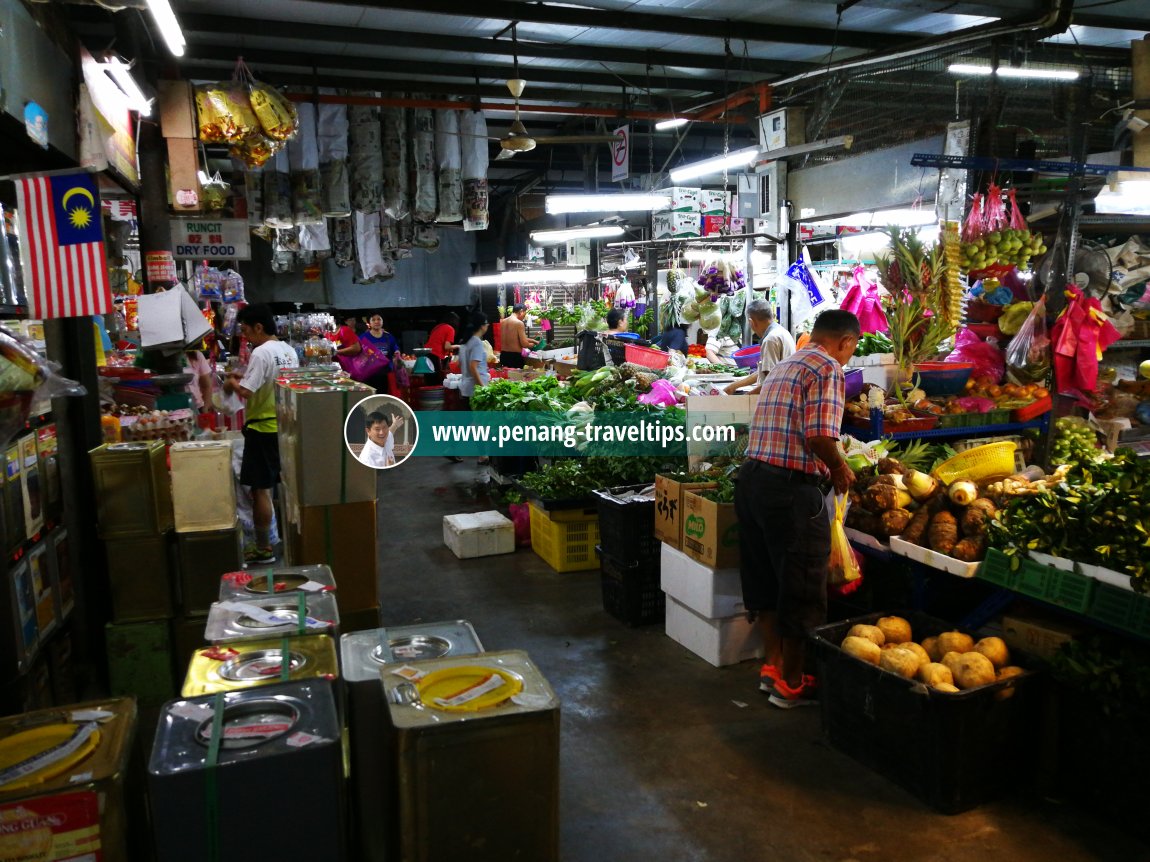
<point>285,614</point>
<point>414,647</point>
<point>260,664</point>
<point>246,725</point>
<point>280,583</point>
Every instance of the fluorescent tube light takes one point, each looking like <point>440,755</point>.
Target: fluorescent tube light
<point>674,123</point>
<point>737,159</point>
<point>120,72</point>
<point>557,204</point>
<point>531,276</point>
<point>1014,72</point>
<point>576,233</point>
<point>169,26</point>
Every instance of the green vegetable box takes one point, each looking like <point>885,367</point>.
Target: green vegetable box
<point>710,531</point>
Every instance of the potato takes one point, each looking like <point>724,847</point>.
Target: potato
<point>900,661</point>
<point>933,674</point>
<point>955,641</point>
<point>871,633</point>
<point>895,630</point>
<point>932,650</point>
<point>923,657</point>
<point>861,648</point>
<point>995,650</point>
<point>1006,673</point>
<point>974,669</point>
<point>945,686</point>
<point>951,660</point>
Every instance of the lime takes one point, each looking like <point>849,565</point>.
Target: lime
<point>1144,368</point>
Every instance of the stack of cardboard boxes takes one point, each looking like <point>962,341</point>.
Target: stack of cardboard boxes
<point>695,212</point>
<point>700,573</point>
<point>327,497</point>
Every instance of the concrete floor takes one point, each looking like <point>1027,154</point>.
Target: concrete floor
<point>665,757</point>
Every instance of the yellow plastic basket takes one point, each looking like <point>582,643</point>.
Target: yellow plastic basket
<point>569,545</point>
<point>992,461</point>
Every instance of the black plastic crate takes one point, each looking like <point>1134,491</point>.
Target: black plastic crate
<point>627,527</point>
<point>632,593</point>
<point>952,751</point>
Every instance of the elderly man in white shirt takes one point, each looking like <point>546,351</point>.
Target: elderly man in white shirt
<point>775,345</point>
<point>379,448</point>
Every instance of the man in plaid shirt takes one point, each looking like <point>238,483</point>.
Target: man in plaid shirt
<point>780,499</point>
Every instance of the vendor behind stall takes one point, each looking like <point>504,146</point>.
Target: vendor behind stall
<point>513,338</point>
<point>674,338</point>
<point>775,345</point>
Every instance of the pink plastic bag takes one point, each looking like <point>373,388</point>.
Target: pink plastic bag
<point>973,227</point>
<point>862,300</point>
<point>988,359</point>
<point>521,519</point>
<point>662,394</point>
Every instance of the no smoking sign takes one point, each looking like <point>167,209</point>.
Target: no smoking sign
<point>621,154</point>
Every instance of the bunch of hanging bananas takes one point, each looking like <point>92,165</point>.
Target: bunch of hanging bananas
<point>952,283</point>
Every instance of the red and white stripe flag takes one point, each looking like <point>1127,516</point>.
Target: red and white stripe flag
<point>62,246</point>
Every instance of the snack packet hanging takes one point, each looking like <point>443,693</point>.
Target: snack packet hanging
<point>225,113</point>
<point>277,116</point>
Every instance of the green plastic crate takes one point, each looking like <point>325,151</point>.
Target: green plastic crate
<point>996,569</point>
<point>1121,609</point>
<point>974,420</point>
<point>1065,589</point>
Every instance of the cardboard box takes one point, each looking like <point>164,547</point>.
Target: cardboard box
<point>676,225</point>
<point>715,202</point>
<point>184,190</point>
<point>1038,636</point>
<point>719,642</point>
<point>20,634</point>
<point>785,127</point>
<point>478,534</point>
<point>669,508</point>
<point>710,532</point>
<point>684,199</point>
<point>711,593</point>
<point>342,537</point>
<point>45,597</point>
<point>203,490</point>
<point>316,465</point>
<point>713,225</point>
<point>30,485</point>
<point>48,446</point>
<point>177,109</point>
<point>13,497</point>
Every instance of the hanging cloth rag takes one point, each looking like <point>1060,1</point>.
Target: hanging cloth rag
<point>373,266</point>
<point>303,162</point>
<point>396,201</point>
<point>449,153</point>
<point>332,131</point>
<point>473,138</point>
<point>365,156</point>
<point>423,187</point>
<point>277,193</point>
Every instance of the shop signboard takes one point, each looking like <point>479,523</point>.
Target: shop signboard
<point>210,239</point>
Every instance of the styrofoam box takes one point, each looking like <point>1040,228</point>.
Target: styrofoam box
<point>720,642</point>
<point>712,593</point>
<point>932,558</point>
<point>873,359</point>
<point>478,534</point>
<point>676,225</point>
<point>866,539</point>
<point>715,202</point>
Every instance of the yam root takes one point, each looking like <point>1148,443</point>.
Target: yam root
<point>890,465</point>
<point>860,519</point>
<point>916,529</point>
<point>943,532</point>
<point>894,521</point>
<point>970,550</point>
<point>881,497</point>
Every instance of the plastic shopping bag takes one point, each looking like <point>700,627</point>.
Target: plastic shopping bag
<point>521,519</point>
<point>844,568</point>
<point>1028,358</point>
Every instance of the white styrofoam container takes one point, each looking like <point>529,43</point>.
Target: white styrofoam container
<point>933,558</point>
<point>715,202</point>
<point>683,199</point>
<point>1107,576</point>
<point>478,534</point>
<point>1060,563</point>
<point>720,642</point>
<point>872,359</point>
<point>711,593</point>
<point>676,225</point>
<point>866,539</point>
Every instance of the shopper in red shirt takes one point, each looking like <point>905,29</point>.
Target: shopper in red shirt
<point>793,458</point>
<point>347,342</point>
<point>441,341</point>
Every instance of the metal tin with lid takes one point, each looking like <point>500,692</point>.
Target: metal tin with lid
<point>272,739</point>
<point>62,774</point>
<point>285,580</point>
<point>272,616</point>
<point>133,492</point>
<point>364,652</point>
<point>203,489</point>
<point>374,804</point>
<point>250,664</point>
<point>458,717</point>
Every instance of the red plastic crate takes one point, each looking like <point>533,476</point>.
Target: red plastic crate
<point>648,357</point>
<point>1033,410</point>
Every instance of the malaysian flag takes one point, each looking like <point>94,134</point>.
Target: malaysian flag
<point>62,246</point>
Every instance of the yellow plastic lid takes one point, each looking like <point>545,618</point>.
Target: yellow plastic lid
<point>467,688</point>
<point>29,745</point>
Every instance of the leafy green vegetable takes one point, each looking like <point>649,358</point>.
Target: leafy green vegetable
<point>539,395</point>
<point>723,492</point>
<point>874,342</point>
<point>1112,672</point>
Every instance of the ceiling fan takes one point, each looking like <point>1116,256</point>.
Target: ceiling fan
<point>517,140</point>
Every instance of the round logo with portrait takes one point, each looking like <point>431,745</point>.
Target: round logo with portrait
<point>381,431</point>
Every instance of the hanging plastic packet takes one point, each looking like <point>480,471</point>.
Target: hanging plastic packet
<point>232,286</point>
<point>207,282</point>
